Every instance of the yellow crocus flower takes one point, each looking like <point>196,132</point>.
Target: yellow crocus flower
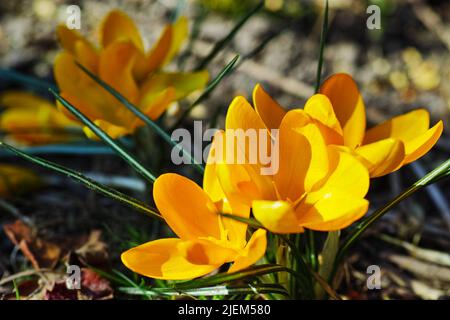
<point>205,240</point>
<point>317,186</point>
<point>31,120</point>
<point>123,63</point>
<point>340,112</point>
<point>16,180</point>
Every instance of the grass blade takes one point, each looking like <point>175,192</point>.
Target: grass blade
<point>106,138</point>
<point>323,35</point>
<point>209,291</point>
<point>141,116</point>
<point>32,82</point>
<point>211,86</point>
<point>434,176</point>
<point>229,277</point>
<point>89,183</point>
<point>223,42</point>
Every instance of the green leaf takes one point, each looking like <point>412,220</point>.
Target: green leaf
<point>441,172</point>
<point>229,277</point>
<point>106,138</point>
<point>209,291</point>
<point>32,82</point>
<point>156,128</point>
<point>329,252</point>
<point>323,35</point>
<point>249,221</point>
<point>211,86</point>
<point>102,189</point>
<point>223,42</point>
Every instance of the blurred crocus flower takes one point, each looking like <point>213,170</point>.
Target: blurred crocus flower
<point>16,180</point>
<point>31,120</point>
<point>205,239</point>
<point>123,63</point>
<point>340,113</point>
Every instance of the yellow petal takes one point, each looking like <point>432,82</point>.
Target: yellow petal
<point>21,99</point>
<point>180,30</point>
<point>211,185</point>
<point>116,63</point>
<point>184,83</point>
<point>319,108</point>
<point>187,209</point>
<point>69,38</point>
<point>348,106</point>
<point>347,176</point>
<point>117,26</point>
<point>334,213</point>
<point>153,105</point>
<point>253,251</point>
<point>157,55</point>
<point>419,146</point>
<point>87,56</point>
<point>16,180</point>
<point>382,157</point>
<point>243,144</point>
<point>94,102</point>
<point>267,108</point>
<point>276,216</point>
<point>112,130</point>
<point>303,156</point>
<point>170,259</point>
<point>412,129</point>
<point>404,127</point>
<point>33,120</point>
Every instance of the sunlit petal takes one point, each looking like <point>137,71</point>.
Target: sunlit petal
<point>187,209</point>
<point>267,108</point>
<point>348,106</point>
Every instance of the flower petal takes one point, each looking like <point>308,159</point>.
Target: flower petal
<point>171,259</point>
<point>187,209</point>
<point>276,216</point>
<point>117,26</point>
<point>382,157</point>
<point>116,64</point>
<point>319,108</point>
<point>154,104</point>
<point>267,108</point>
<point>180,30</point>
<point>346,176</point>
<point>94,102</point>
<point>412,129</point>
<point>253,251</point>
<point>404,127</point>
<point>184,83</point>
<point>112,130</point>
<point>16,180</point>
<point>303,156</point>
<point>334,213</point>
<point>419,146</point>
<point>245,142</point>
<point>33,120</point>
<point>348,106</point>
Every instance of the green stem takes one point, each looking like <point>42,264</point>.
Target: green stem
<point>323,35</point>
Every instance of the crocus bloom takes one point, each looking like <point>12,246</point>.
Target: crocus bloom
<point>31,120</point>
<point>340,112</point>
<point>123,63</point>
<point>317,186</point>
<point>205,240</point>
<point>16,180</point>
